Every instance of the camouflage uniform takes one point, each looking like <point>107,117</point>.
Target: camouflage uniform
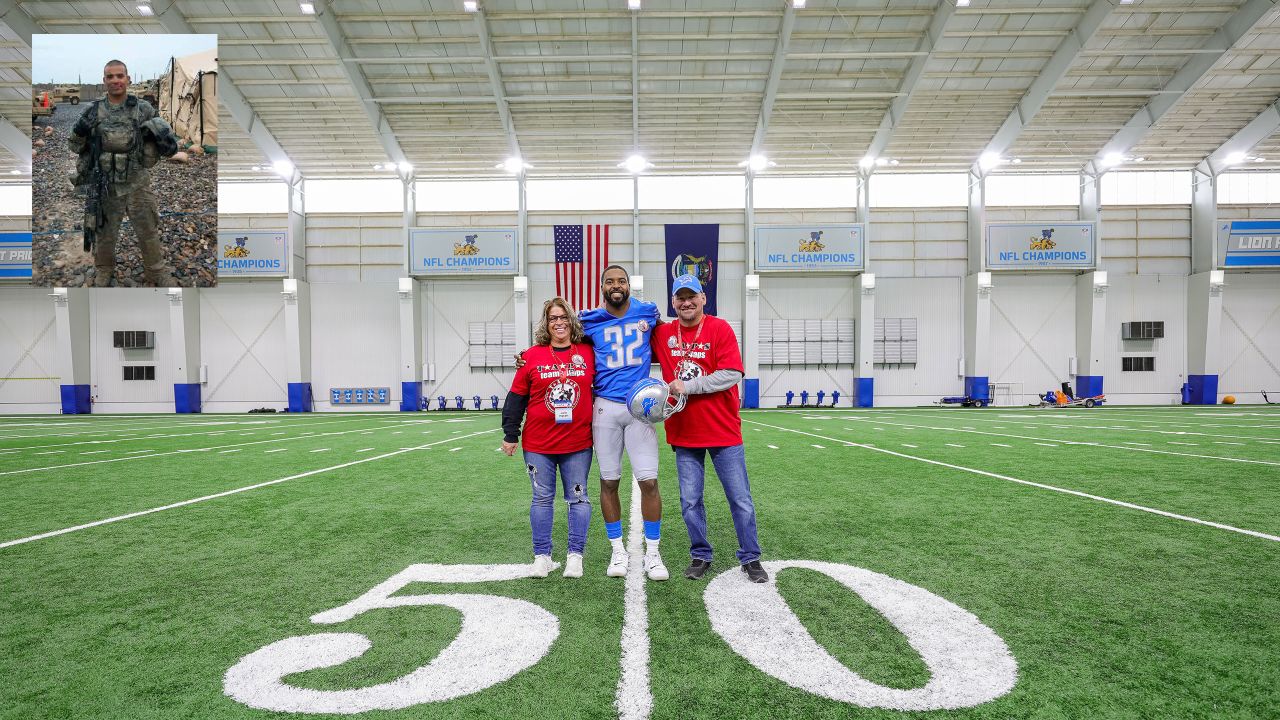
<point>125,159</point>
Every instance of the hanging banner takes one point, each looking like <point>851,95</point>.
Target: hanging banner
<point>821,248</point>
<point>1042,246</point>
<point>693,250</point>
<point>253,253</point>
<point>1250,243</point>
<point>15,255</point>
<point>462,251</point>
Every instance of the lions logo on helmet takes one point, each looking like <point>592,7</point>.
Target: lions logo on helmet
<point>651,401</point>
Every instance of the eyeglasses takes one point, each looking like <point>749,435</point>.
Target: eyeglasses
<point>557,319</point>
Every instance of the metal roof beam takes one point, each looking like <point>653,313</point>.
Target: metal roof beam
<point>230,96</point>
<point>495,81</point>
<point>775,78</point>
<point>1042,87</point>
<point>1260,128</point>
<point>1188,75</point>
<point>910,79</point>
<point>11,138</point>
<point>338,43</point>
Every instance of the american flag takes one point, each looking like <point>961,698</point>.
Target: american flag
<point>582,253</point>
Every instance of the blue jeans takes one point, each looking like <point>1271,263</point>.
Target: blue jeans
<point>731,468</point>
<point>574,468</point>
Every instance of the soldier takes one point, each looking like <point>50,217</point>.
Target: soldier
<point>121,137</point>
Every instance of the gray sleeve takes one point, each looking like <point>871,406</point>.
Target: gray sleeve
<point>715,382</point>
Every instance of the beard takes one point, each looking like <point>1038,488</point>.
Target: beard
<point>608,298</point>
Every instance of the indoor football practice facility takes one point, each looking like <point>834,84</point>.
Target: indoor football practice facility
<point>973,304</point>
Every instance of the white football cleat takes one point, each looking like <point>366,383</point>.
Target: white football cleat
<point>573,565</point>
<point>617,564</point>
<point>653,566</point>
<point>543,565</point>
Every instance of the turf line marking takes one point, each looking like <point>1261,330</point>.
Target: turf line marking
<point>321,450</point>
<point>1224,442</point>
<point>772,447</point>
<point>364,450</point>
<point>909,445</point>
<point>1137,443</point>
<point>1175,442</point>
<point>147,437</point>
<point>454,449</point>
<point>50,452</point>
<point>1047,444</point>
<point>634,700</point>
<point>309,436</point>
<point>1042,486</point>
<point>224,452</point>
<point>184,503</point>
<point>94,452</point>
<point>913,426</point>
<point>820,447</point>
<point>954,445</point>
<point>276,450</point>
<point>1001,445</point>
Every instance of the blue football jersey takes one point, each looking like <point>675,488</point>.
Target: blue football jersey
<point>622,347</point>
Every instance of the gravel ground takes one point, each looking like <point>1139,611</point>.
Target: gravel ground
<point>187,195</point>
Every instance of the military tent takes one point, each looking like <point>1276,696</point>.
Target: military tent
<point>188,97</point>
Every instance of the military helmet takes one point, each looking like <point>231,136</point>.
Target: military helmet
<point>651,400</point>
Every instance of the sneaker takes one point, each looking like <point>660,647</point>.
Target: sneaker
<point>543,565</point>
<point>755,572</point>
<point>697,568</point>
<point>617,564</point>
<point>653,566</point>
<point>573,565</point>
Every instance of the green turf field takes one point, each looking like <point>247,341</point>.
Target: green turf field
<point>1123,562</point>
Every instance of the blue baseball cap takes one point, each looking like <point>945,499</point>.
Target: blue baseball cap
<point>686,282</point>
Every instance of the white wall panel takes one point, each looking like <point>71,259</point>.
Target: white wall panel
<point>924,242</point>
<point>1146,297</point>
<point>130,309</point>
<point>355,340</point>
<point>242,344</point>
<point>1250,337</point>
<point>806,297</point>
<point>937,307</point>
<point>355,248</point>
<point>1146,240</point>
<point>448,307</point>
<point>28,351</point>
<point>1032,329</point>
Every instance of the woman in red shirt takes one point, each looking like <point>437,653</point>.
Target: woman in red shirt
<point>553,389</point>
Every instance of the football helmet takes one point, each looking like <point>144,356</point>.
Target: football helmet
<point>651,400</point>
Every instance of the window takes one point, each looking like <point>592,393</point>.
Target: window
<point>133,339</point>
<point>805,192</point>
<point>1146,188</point>
<point>709,192</point>
<point>353,196</point>
<point>250,198</point>
<point>139,372</point>
<point>467,196</point>
<point>598,194</point>
<point>920,190</point>
<point>1138,364</point>
<point>1142,330</point>
<point>1033,190</point>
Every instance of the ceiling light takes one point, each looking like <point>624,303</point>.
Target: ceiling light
<point>1139,159</point>
<point>867,162</point>
<point>1126,2</point>
<point>635,164</point>
<point>633,4</point>
<point>404,167</point>
<point>1112,159</point>
<point>1259,159</point>
<point>514,165</point>
<point>757,163</point>
<point>798,4</point>
<point>471,5</point>
<point>283,168</point>
<point>990,160</point>
<point>962,3</point>
<point>15,172</point>
<point>377,166</point>
<point>307,8</point>
<point>1016,161</point>
<point>144,9</point>
<point>1235,158</point>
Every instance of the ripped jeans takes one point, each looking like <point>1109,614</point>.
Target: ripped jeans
<point>574,469</point>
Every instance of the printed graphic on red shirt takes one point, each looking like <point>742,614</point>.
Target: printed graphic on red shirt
<point>711,419</point>
<point>556,380</point>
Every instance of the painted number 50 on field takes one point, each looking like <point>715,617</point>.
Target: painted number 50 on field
<point>501,636</point>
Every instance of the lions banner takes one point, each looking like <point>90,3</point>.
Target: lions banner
<point>1042,246</point>
<point>15,255</point>
<point>693,250</point>
<point>462,251</point>
<point>810,248</point>
<point>1249,243</point>
<point>253,253</point>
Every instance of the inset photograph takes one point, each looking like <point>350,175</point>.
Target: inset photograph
<point>124,169</point>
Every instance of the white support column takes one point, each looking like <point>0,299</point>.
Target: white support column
<point>297,343</point>
<point>751,343</point>
<point>977,219</point>
<point>1091,320</point>
<point>1204,336</point>
<point>296,227</point>
<point>1091,202</point>
<point>977,335</point>
<point>71,318</point>
<point>749,217</point>
<point>184,335</point>
<point>864,328</point>
<point>864,200</point>
<point>1204,220</point>
<point>520,311</point>
<point>409,218</point>
<point>410,345</point>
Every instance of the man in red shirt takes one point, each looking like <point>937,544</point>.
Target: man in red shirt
<point>699,357</point>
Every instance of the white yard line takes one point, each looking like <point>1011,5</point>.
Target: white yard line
<point>1047,444</point>
<point>954,445</point>
<point>1137,443</point>
<point>913,426</point>
<point>364,450</point>
<point>909,445</point>
<point>820,447</point>
<point>320,450</point>
<point>184,503</point>
<point>151,437</point>
<point>634,700</point>
<point>1001,445</point>
<point>1174,442</point>
<point>94,452</point>
<point>268,452</point>
<point>454,449</point>
<point>1042,486</point>
<point>232,450</point>
<point>772,447</point>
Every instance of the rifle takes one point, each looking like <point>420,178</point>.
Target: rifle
<point>95,210</point>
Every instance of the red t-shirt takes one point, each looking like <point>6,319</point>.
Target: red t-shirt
<point>552,377</point>
<point>708,420</point>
